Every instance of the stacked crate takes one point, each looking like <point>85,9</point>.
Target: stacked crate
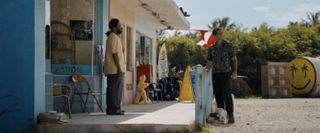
<point>275,80</point>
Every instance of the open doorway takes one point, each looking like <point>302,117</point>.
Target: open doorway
<point>73,45</point>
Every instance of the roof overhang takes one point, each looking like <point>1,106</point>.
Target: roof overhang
<point>164,12</point>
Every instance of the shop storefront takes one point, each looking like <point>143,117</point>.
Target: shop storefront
<point>144,17</point>
<point>44,42</point>
<point>74,45</point>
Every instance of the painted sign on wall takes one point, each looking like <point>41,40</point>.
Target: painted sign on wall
<point>71,69</point>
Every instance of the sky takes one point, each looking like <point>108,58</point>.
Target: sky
<point>248,13</point>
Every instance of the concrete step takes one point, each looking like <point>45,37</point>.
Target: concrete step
<point>155,117</point>
<point>111,128</point>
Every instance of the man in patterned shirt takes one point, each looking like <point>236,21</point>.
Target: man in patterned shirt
<point>223,61</point>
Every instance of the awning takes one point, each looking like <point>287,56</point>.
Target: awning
<point>164,12</point>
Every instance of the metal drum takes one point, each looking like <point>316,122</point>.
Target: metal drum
<point>305,74</point>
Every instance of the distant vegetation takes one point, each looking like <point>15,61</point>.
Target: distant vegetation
<point>255,47</point>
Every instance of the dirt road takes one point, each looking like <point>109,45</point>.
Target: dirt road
<point>274,116</point>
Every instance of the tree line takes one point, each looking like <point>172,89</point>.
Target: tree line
<point>254,47</point>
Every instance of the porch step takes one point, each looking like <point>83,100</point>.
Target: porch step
<point>152,118</point>
<point>111,128</point>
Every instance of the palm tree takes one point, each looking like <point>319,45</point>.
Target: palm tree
<point>221,22</point>
<point>313,19</point>
<point>293,23</point>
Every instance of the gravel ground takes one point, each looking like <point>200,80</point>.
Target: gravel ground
<point>274,116</point>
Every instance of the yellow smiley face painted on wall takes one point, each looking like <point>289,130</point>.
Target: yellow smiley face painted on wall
<point>303,76</point>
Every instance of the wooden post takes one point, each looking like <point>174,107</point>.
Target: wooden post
<point>209,93</point>
<point>204,95</point>
<point>199,105</point>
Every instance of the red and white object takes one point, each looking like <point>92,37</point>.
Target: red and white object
<point>206,39</point>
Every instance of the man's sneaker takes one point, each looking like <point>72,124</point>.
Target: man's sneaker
<point>116,113</point>
<point>231,118</point>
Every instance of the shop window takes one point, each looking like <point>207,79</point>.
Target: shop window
<point>147,54</point>
<point>140,49</point>
<point>143,49</point>
<point>71,32</point>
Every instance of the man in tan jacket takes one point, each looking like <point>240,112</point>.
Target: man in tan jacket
<point>114,68</point>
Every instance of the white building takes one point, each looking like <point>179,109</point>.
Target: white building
<point>141,19</point>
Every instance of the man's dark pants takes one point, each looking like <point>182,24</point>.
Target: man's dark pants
<point>222,91</point>
<point>114,92</point>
